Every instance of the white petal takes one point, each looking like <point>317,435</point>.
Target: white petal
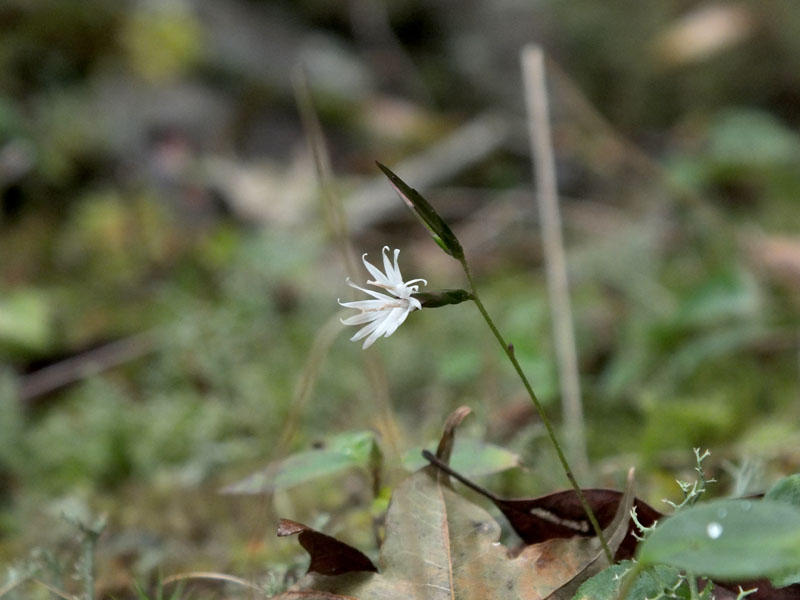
<point>377,295</point>
<point>396,321</point>
<point>410,281</point>
<point>373,305</point>
<point>397,278</point>
<point>366,330</point>
<point>385,324</point>
<point>392,321</point>
<point>391,273</point>
<point>371,339</point>
<point>364,317</point>
<point>379,277</point>
<point>373,270</point>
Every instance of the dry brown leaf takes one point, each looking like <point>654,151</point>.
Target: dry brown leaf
<point>778,256</point>
<point>706,30</point>
<point>561,515</point>
<point>441,546</point>
<point>329,556</point>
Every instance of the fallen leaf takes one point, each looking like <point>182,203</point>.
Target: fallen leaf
<point>560,515</point>
<point>778,256</point>
<point>707,30</point>
<point>329,556</point>
<point>614,533</point>
<point>441,546</point>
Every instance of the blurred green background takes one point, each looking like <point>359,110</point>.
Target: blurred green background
<point>168,281</point>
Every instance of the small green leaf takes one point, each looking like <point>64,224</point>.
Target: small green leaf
<point>354,449</point>
<point>441,232</point>
<point>650,583</point>
<point>726,295</point>
<point>751,138</point>
<point>471,458</point>
<point>358,445</point>
<point>786,490</point>
<point>25,320</point>
<point>729,539</point>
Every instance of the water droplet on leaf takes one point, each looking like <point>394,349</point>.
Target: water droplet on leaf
<point>714,530</point>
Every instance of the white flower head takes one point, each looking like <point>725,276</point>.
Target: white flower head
<point>386,312</point>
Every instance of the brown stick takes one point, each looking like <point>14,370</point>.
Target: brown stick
<point>554,254</point>
<point>82,366</point>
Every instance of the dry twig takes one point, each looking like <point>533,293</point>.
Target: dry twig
<point>555,256</point>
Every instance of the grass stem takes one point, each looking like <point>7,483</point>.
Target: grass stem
<point>554,255</point>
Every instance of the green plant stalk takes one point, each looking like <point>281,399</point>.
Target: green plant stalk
<point>694,594</point>
<point>542,414</point>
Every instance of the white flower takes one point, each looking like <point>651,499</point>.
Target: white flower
<point>387,312</point>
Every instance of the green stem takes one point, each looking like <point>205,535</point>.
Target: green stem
<point>694,594</point>
<point>542,415</point>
